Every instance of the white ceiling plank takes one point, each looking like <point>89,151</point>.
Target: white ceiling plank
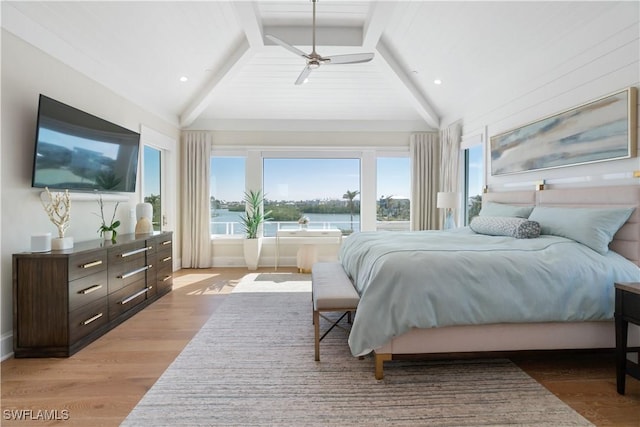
<point>397,74</point>
<point>239,55</point>
<point>297,35</point>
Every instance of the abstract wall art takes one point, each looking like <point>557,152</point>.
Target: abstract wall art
<point>603,129</point>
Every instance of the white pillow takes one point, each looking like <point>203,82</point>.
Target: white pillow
<point>501,209</point>
<point>593,227</point>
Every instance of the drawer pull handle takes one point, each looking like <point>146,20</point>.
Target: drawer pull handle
<point>166,278</point>
<point>90,289</point>
<point>166,259</point>
<point>137,251</point>
<point>92,319</point>
<point>134,296</point>
<point>91,264</point>
<point>131,273</point>
<point>166,242</point>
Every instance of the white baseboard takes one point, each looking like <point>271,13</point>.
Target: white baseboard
<point>6,346</point>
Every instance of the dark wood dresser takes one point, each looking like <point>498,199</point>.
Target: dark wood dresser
<point>64,300</point>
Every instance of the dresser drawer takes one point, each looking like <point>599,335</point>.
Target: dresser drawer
<point>87,319</point>
<point>164,243</point>
<point>127,253</point>
<point>124,274</point>
<point>87,289</point>
<point>164,260</point>
<point>127,298</point>
<point>87,263</point>
<point>165,282</point>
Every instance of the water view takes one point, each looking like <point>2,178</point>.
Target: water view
<point>228,223</point>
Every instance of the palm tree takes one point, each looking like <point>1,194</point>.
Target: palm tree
<point>350,195</point>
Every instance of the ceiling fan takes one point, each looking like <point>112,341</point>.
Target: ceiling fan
<point>314,60</point>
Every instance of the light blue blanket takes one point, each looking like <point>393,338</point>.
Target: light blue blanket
<point>428,279</point>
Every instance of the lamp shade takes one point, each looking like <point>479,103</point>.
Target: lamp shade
<point>447,200</point>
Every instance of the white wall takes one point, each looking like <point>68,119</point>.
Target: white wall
<point>27,72</point>
<point>611,64</point>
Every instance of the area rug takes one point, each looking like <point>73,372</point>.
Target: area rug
<point>252,364</point>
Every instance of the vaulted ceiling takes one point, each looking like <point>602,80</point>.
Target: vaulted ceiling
<point>238,79</point>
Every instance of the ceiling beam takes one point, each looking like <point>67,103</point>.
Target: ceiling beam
<point>239,54</point>
<point>380,15</point>
<point>300,35</point>
<point>391,66</point>
<point>247,16</point>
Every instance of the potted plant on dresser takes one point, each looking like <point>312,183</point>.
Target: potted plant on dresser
<point>108,230</point>
<point>252,220</point>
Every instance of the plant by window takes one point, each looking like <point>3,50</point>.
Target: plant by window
<point>253,216</point>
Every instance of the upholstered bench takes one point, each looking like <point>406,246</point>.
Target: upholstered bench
<point>331,290</point>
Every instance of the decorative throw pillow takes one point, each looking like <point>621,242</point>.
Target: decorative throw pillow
<point>501,209</point>
<point>520,228</point>
<point>593,227</point>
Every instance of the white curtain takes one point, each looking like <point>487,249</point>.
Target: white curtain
<point>196,207</point>
<point>450,164</point>
<point>425,180</point>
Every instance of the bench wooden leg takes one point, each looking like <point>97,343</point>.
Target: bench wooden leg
<point>316,329</point>
<point>380,359</point>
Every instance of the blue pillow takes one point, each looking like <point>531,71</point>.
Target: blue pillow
<point>520,228</point>
<point>501,209</point>
<point>593,227</point>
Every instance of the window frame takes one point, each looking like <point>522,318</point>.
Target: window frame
<point>368,170</point>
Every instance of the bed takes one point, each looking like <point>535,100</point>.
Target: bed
<point>462,292</point>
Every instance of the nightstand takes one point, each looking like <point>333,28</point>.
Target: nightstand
<point>627,310</point>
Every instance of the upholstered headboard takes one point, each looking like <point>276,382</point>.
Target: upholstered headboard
<point>626,242</point>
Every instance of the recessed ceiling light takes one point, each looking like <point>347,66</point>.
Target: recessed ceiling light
<point>437,82</point>
<point>184,78</point>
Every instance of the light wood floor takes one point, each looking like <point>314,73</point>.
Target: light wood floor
<point>102,383</point>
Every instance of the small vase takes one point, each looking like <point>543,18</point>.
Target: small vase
<point>108,235</point>
<point>61,243</point>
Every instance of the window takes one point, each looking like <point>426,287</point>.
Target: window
<point>326,190</point>
<point>393,193</point>
<point>474,172</point>
<point>152,183</point>
<point>227,193</point>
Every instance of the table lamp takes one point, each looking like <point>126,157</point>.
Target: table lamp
<point>448,202</point>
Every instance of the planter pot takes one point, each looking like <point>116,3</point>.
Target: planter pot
<point>61,243</point>
<point>108,235</point>
<point>252,248</point>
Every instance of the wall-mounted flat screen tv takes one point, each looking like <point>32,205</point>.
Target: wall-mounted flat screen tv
<point>77,151</point>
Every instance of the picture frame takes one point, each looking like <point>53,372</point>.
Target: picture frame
<point>600,130</point>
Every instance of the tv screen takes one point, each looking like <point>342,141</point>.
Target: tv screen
<point>81,152</point>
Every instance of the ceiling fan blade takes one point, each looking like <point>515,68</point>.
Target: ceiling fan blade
<point>352,58</point>
<point>302,78</point>
<point>286,46</point>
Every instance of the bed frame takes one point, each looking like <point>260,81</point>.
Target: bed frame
<point>531,336</point>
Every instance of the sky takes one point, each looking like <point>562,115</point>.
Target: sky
<point>308,179</point>
<point>151,171</point>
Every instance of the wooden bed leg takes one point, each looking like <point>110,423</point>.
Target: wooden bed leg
<point>380,359</point>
